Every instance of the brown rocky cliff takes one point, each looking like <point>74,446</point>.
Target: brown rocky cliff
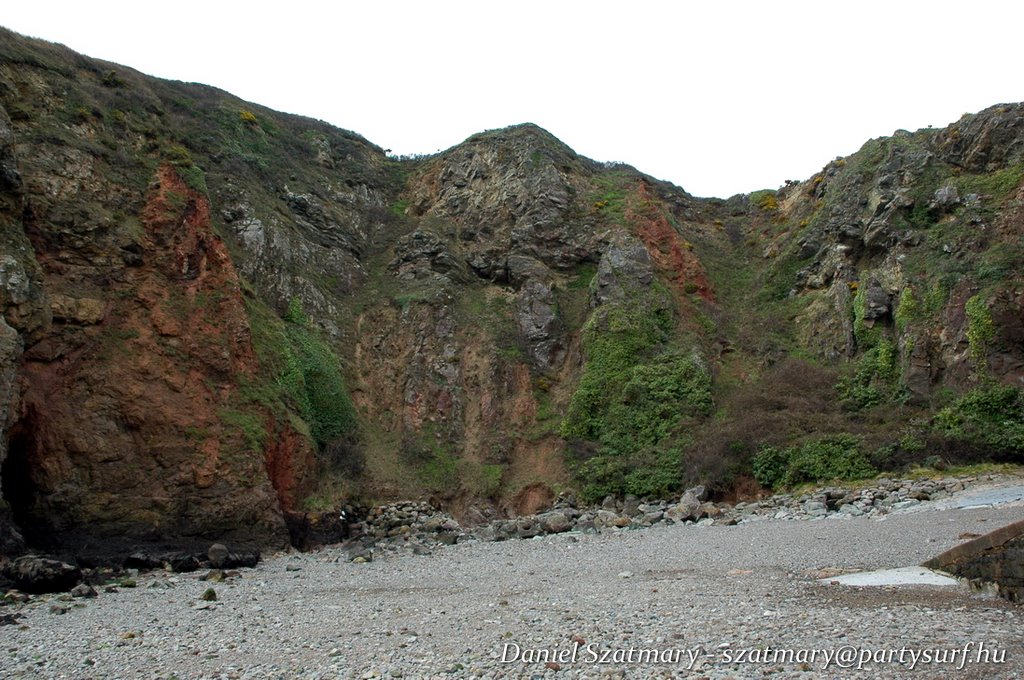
<point>184,276</point>
<point>132,426</point>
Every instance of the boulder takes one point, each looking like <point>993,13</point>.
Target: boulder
<point>38,574</point>
<point>554,522</point>
<point>218,555</point>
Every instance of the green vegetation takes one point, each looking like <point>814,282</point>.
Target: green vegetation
<point>997,185</point>
<point>584,277</point>
<point>990,418</point>
<point>305,375</point>
<point>867,336</point>
<point>907,309</point>
<point>250,425</point>
<point>399,207</point>
<point>980,332</point>
<point>781,278</point>
<point>833,457</point>
<point>874,381</point>
<point>313,380</point>
<point>192,174</point>
<point>764,200</point>
<point>610,195</point>
<point>634,395</point>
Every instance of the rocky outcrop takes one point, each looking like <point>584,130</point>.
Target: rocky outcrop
<point>918,219</point>
<point>222,323</point>
<point>128,428</point>
<point>11,540</point>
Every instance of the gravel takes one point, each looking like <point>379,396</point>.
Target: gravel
<point>452,613</point>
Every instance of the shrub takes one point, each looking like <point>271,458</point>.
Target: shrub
<point>836,456</point>
<point>770,465</point>
<point>178,155</point>
<point>248,117</point>
<point>791,398</point>
<point>304,374</point>
<point>833,457</point>
<point>907,309</point>
<point>990,417</point>
<point>318,387</point>
<point>875,380</point>
<point>764,200</point>
<point>631,402</point>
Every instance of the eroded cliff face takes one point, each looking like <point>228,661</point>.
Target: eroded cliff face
<point>893,242</point>
<point>216,316</point>
<point>131,425</point>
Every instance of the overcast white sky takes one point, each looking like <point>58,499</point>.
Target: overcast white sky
<point>717,97</point>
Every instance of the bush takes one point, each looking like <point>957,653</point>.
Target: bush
<point>980,331</point>
<point>876,379</point>
<point>631,403</point>
<point>990,417</point>
<point>770,466</point>
<point>833,457</point>
<point>790,399</point>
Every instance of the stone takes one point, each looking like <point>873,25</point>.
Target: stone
<point>182,563</point>
<point>37,574</point>
<point>11,540</point>
<point>850,509</point>
<point>83,590</point>
<point>698,492</point>
<point>708,509</point>
<point>945,199</point>
<point>878,301</point>
<point>554,522</point>
<point>218,554</point>
<point>605,518</point>
<point>143,561</point>
<point>84,311</point>
<point>625,268</point>
<point>209,595</point>
<point>631,506</point>
<point>815,508</point>
<point>242,559</point>
<point>688,507</point>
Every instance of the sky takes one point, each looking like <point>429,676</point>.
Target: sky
<point>717,97</point>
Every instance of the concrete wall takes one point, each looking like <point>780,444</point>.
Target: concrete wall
<point>996,558</point>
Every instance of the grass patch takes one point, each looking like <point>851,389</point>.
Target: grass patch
<point>996,185</point>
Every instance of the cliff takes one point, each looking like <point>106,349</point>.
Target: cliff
<point>216,316</point>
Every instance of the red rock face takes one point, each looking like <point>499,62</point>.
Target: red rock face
<point>669,252</point>
<point>133,424</point>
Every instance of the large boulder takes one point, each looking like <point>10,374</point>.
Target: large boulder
<point>38,574</point>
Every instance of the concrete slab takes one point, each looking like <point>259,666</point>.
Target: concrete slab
<point>902,576</point>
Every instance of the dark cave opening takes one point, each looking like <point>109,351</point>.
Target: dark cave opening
<point>19,489</point>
